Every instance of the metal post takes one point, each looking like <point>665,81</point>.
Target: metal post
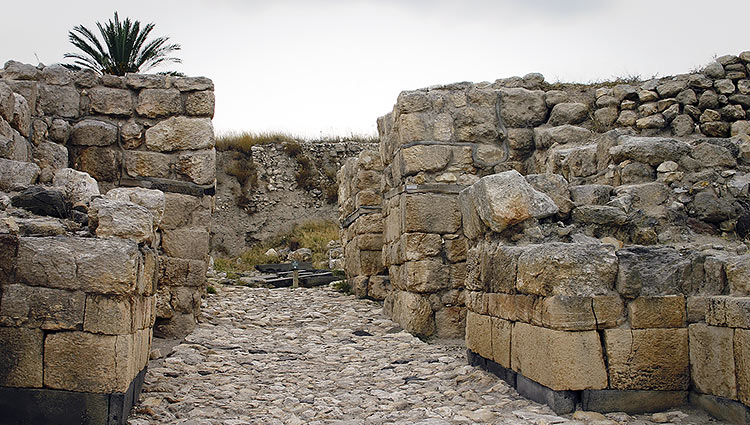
<point>295,274</point>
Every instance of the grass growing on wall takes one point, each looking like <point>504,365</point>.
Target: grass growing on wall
<point>313,234</point>
<point>243,141</point>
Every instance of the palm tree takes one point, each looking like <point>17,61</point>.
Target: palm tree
<point>126,48</point>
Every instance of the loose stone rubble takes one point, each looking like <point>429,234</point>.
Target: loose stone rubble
<point>316,356</point>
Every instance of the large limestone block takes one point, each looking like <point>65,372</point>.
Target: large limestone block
<point>151,199</point>
<point>186,210</point>
<point>555,186</point>
<point>471,223</point>
<point>192,83</point>
<point>648,150</point>
<point>742,359</point>
<point>104,266</point>
<point>186,242</point>
<point>371,262</point>
<point>92,132</point>
<point>110,315</point>
<point>730,311</point>
<point>429,213</point>
<point>568,313</point>
<point>427,158</point>
<point>497,267</point>
<point>647,359</point>
<point>450,322</point>
<point>78,186</point>
<point>419,246</point>
<point>61,101</point>
<point>712,362</point>
<point>21,357</point>
<point>21,115</point>
<point>121,219</point>
<point>45,308</point>
<point>506,199</point>
<point>154,103</point>
<point>102,163</point>
<point>501,341</point>
<point>568,113</point>
<point>198,167</point>
<point>652,271</point>
<point>413,312</point>
<point>7,102</point>
<point>80,361</point>
<point>180,133</point>
<point>657,312</point>
<point>738,275</point>
<point>8,253</point>
<point>17,175</point>
<point>567,269</point>
<point>425,276</point>
<point>522,108</point>
<point>181,272</point>
<point>111,101</point>
<point>200,103</point>
<point>148,164</point>
<point>479,334</point>
<point>557,359</point>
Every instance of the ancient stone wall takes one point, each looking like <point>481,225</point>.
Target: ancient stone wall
<point>149,131</point>
<point>87,267</point>
<point>360,197</point>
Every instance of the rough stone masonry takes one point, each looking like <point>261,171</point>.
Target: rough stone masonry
<point>106,190</point>
<point>597,234</point>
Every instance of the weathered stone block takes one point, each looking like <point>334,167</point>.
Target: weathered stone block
<point>427,158</point>
<point>568,113</point>
<point>378,287</point>
<point>455,249</point>
<point>733,312</point>
<point>450,322</point>
<point>122,219</point>
<point>479,334</point>
<point>186,210</point>
<point>80,361</point>
<point>501,341</point>
<point>651,271</point>
<point>696,309</point>
<point>568,313</point>
<point>154,103</point>
<point>712,362</point>
<point>742,363</point>
<point>657,312</point>
<point>413,312</point>
<point>45,308</point>
<point>151,199</point>
<point>105,266</point>
<point>111,101</point>
<point>472,225</point>
<point>632,401</point>
<point>181,272</point>
<point>609,311</point>
<point>186,242</point>
<point>722,408</point>
<point>557,359</point>
<point>110,315</point>
<point>8,253</point>
<point>506,199</point>
<point>738,275</point>
<point>17,175</point>
<point>193,83</point>
<point>368,198</point>
<point>200,103</point>
<point>147,164</point>
<point>567,269</point>
<point>429,213</point>
<point>426,276</point>
<point>371,262</point>
<point>185,299</point>
<point>418,246</point>
<point>648,150</point>
<point>198,166</point>
<point>522,108</point>
<point>147,273</point>
<point>555,186</point>
<point>21,357</point>
<point>103,164</point>
<point>90,132</point>
<point>78,186</point>
<point>61,101</point>
<point>647,359</point>
<point>180,133</point>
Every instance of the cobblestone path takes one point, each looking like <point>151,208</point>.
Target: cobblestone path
<point>316,356</point>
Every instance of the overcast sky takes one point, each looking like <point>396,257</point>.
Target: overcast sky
<point>333,66</point>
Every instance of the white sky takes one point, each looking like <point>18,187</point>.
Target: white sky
<point>333,66</point>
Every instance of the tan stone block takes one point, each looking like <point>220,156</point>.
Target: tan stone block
<point>186,242</point>
<point>477,302</point>
<point>457,275</point>
<point>185,210</point>
<point>430,213</point>
<point>657,312</point>
<point>37,307</point>
<point>180,133</point>
<point>498,265</point>
<point>369,179</point>
<point>111,101</point>
<point>8,253</point>
<point>181,272</point>
<point>418,246</point>
<point>147,164</point>
<point>712,363</point>
<point>153,103</point>
<point>502,306</point>
<point>148,272</point>
<point>80,361</point>
<point>528,309</point>
<point>738,275</point>
<point>742,359</point>
<point>647,359</point>
<point>501,337</point>
<point>455,249</point>
<point>479,334</point>
<point>370,242</point>
<point>696,309</point>
<point>426,276</point>
<point>559,360</point>
<point>378,287</point>
<point>371,262</point>
<point>200,103</point>
<point>728,311</point>
<point>609,311</point>
<point>368,198</point>
<point>413,312</point>
<point>110,315</point>
<point>21,357</point>
<point>198,167</point>
<point>568,313</point>
<point>450,322</point>
<point>412,128</point>
<point>185,299</point>
<point>415,159</point>
<point>391,225</point>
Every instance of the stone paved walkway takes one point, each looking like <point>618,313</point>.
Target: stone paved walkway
<point>315,356</point>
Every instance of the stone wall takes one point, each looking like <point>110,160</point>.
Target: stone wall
<point>360,198</point>
<point>149,131</point>
<point>87,267</point>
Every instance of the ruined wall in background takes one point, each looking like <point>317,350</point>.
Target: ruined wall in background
<point>147,131</point>
<point>360,197</point>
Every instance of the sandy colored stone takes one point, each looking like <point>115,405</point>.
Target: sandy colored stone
<point>729,311</point>
<point>80,361</point>
<point>742,359</point>
<point>479,334</point>
<point>712,362</point>
<point>413,313</point>
<point>153,103</point>
<point>647,359</point>
<point>568,313</point>
<point>428,158</point>
<point>501,341</point>
<point>151,199</point>
<point>121,219</point>
<point>21,357</point>
<point>198,167</point>
<point>429,213</point>
<point>180,133</point>
<point>738,275</point>
<point>181,272</point>
<point>186,242</point>
<point>44,308</point>
<point>559,360</point>
<point>450,322</point>
<point>418,246</point>
<point>111,101</point>
<point>110,315</point>
<point>657,312</point>
<point>609,311</point>
<point>426,276</point>
<point>186,210</point>
<point>200,103</point>
<point>498,266</point>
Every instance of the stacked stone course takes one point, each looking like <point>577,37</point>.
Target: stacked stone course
<point>360,206</point>
<point>87,267</point>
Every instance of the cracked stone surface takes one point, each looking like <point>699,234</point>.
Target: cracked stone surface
<point>316,356</point>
